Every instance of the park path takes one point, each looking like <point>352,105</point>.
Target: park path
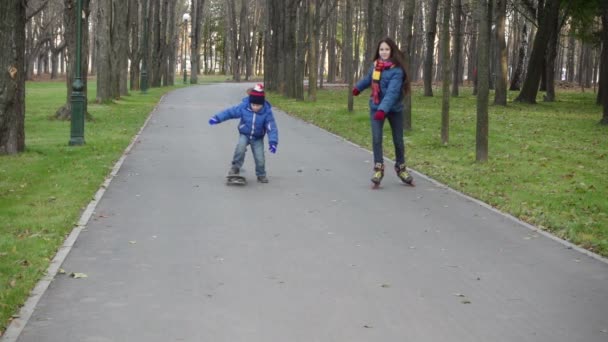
<point>173,254</point>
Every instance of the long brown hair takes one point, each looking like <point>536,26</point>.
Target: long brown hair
<point>398,59</point>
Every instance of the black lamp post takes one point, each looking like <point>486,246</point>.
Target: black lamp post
<point>77,99</point>
<point>185,17</point>
<point>144,62</point>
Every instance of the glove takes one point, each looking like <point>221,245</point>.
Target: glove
<point>272,148</point>
<point>379,115</point>
<point>356,92</point>
<point>214,120</point>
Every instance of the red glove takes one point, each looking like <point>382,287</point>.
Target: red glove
<point>379,115</point>
<point>356,92</point>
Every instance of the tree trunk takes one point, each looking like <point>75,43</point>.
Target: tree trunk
<point>300,66</point>
<point>570,58</point>
<point>483,73</point>
<point>12,77</point>
<point>103,43</point>
<point>431,31</point>
<point>375,28</point>
<point>456,77</point>
<point>445,43</point>
<point>550,65</point>
<point>408,21</point>
<point>537,57</point>
<point>521,56</point>
<point>348,48</point>
<point>500,94</point>
<point>134,53</point>
<point>331,49</point>
<point>197,23</point>
<point>313,27</point>
<point>603,93</point>
<point>120,45</point>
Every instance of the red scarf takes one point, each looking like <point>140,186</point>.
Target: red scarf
<point>380,66</point>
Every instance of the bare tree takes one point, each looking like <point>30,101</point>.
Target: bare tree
<point>348,47</point>
<point>12,77</point>
<point>500,94</point>
<point>431,32</point>
<point>604,64</point>
<point>197,23</point>
<point>549,16</point>
<point>483,73</point>
<point>445,43</point>
<point>407,47</point>
<point>456,77</point>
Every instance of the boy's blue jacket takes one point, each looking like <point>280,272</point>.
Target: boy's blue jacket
<point>391,97</point>
<point>254,125</point>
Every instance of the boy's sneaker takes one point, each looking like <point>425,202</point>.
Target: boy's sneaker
<point>234,171</point>
<point>403,174</point>
<point>262,179</point>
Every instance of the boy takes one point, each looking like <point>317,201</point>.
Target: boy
<point>256,120</point>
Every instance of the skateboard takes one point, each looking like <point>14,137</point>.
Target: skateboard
<point>236,180</point>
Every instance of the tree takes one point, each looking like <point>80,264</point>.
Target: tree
<point>408,51</point>
<point>12,76</point>
<point>456,77</point>
<point>547,23</point>
<point>445,43</point>
<point>348,47</point>
<point>431,31</point>
<point>604,64</point>
<point>500,94</point>
<point>483,76</point>
<point>197,23</point>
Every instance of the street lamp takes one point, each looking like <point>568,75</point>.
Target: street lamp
<point>144,62</point>
<point>185,17</point>
<point>77,99</point>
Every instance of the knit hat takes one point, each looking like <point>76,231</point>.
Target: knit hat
<point>256,95</point>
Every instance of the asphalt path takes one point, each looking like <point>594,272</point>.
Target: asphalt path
<point>171,253</point>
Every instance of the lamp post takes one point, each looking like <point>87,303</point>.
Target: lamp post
<point>77,99</point>
<point>144,62</point>
<point>185,17</point>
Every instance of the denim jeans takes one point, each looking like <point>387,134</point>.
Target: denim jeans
<point>257,148</point>
<point>395,119</point>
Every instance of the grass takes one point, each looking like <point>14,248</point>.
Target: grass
<point>44,189</point>
<point>547,162</point>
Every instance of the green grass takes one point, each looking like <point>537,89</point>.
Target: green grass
<point>43,191</point>
<point>547,162</point>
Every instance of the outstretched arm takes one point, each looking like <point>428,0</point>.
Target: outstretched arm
<point>227,114</point>
<point>364,83</point>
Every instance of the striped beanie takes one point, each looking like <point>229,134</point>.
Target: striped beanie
<point>256,95</point>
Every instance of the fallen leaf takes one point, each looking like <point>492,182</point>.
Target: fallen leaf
<point>132,242</point>
<point>385,286</point>
<point>77,275</point>
<point>367,326</point>
<point>61,271</point>
<point>465,301</point>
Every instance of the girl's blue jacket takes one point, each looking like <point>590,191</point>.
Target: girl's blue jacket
<point>391,83</point>
<point>252,124</point>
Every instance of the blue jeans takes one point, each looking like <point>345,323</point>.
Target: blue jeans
<point>395,119</point>
<point>257,148</point>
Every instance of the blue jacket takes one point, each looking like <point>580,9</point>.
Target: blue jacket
<point>391,83</point>
<point>254,125</point>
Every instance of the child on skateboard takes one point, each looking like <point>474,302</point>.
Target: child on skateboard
<point>256,121</point>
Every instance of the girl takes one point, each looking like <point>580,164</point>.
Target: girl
<point>389,84</point>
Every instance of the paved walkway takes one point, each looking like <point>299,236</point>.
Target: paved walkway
<point>173,254</point>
